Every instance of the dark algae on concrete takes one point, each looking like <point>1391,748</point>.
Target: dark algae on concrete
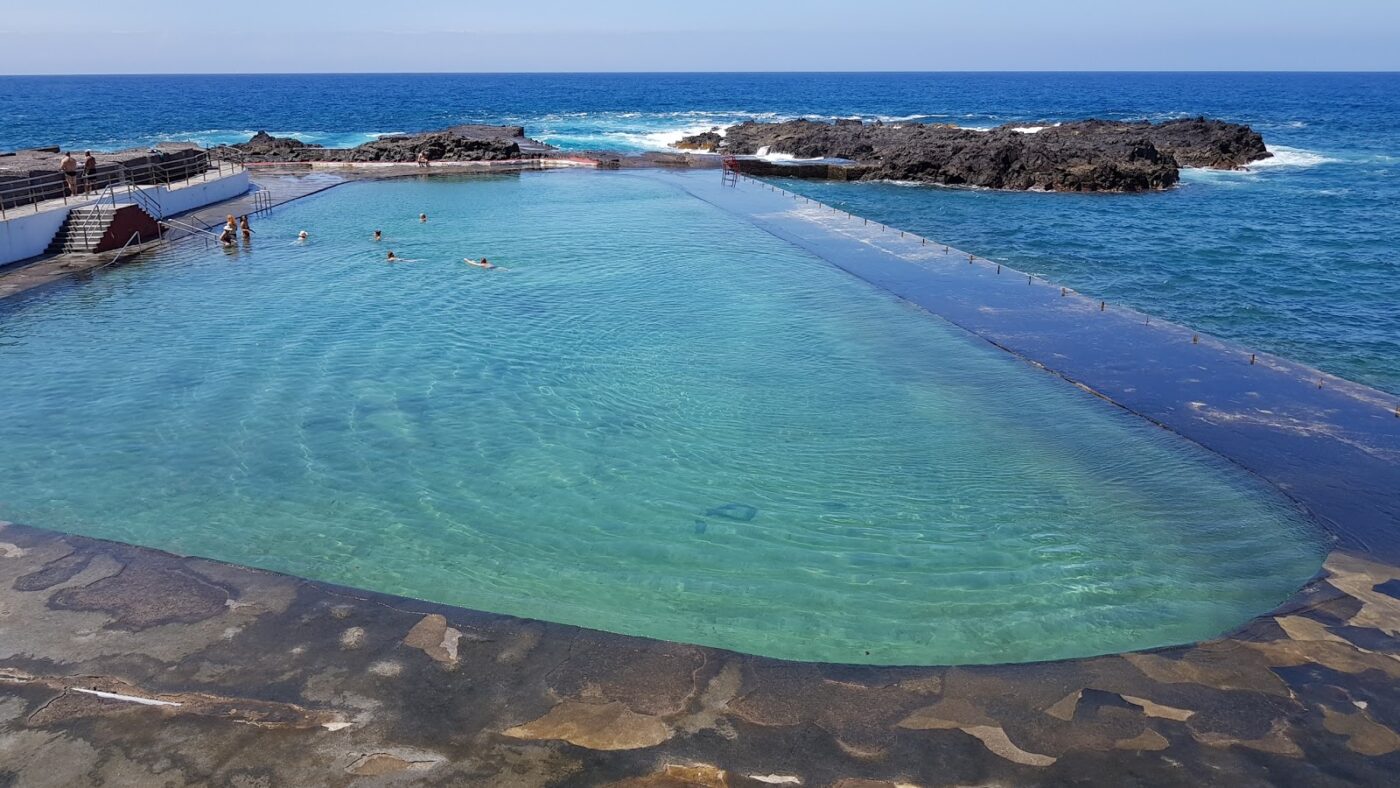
<point>123,666</point>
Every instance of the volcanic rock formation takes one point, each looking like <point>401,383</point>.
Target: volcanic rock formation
<point>459,143</point>
<point>1090,155</point>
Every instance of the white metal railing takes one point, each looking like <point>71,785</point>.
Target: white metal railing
<point>38,189</point>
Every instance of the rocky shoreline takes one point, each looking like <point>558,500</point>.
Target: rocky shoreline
<point>1081,156</point>
<point>458,143</point>
<point>1089,155</point>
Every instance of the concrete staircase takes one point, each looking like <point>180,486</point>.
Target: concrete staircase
<point>91,228</point>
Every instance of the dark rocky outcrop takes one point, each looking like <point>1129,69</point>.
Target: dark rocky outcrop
<point>1089,155</point>
<point>1201,142</point>
<point>706,141</point>
<point>264,144</point>
<point>459,143</point>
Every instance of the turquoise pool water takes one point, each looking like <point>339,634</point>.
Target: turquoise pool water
<point>659,421</point>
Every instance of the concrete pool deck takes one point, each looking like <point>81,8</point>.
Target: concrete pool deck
<point>132,666</point>
<point>216,674</point>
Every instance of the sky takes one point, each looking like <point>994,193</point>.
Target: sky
<point>277,36</point>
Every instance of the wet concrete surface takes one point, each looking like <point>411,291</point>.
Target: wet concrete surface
<point>211,674</point>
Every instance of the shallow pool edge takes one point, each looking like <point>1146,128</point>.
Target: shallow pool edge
<point>1330,445</point>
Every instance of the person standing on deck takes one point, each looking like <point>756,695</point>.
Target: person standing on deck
<point>89,171</point>
<point>69,167</point>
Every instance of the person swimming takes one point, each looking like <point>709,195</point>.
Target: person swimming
<point>422,217</point>
<point>302,236</point>
<point>378,235</point>
<point>392,257</point>
<point>482,263</point>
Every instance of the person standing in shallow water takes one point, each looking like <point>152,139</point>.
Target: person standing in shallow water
<point>247,230</point>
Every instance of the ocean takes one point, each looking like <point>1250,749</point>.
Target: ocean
<point>1296,256</point>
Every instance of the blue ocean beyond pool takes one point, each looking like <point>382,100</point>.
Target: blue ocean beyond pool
<point>1296,257</point>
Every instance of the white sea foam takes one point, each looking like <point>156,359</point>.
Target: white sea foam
<point>1284,158</point>
<point>1290,157</point>
<point>1032,129</point>
<point>767,155</point>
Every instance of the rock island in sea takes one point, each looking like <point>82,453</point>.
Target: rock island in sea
<point>1080,156</point>
<point>1087,155</point>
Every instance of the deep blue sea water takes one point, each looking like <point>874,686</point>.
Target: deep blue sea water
<point>1295,257</point>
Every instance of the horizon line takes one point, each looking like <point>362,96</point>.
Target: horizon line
<point>687,72</point>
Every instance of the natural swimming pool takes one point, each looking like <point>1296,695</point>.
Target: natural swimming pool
<point>660,421</point>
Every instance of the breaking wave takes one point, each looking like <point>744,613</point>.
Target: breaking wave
<point>1285,156</point>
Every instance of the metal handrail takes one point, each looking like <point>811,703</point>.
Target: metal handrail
<point>187,227</point>
<point>151,173</point>
<point>136,236</point>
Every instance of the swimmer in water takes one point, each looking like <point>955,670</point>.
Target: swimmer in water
<point>378,235</point>
<point>392,257</point>
<point>422,217</point>
<point>482,263</point>
<point>302,236</point>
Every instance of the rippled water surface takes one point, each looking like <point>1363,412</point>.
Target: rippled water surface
<point>1296,258</point>
<point>659,421</point>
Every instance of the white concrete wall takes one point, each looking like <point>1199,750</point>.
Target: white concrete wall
<point>28,234</point>
<point>197,194</point>
<point>25,235</point>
